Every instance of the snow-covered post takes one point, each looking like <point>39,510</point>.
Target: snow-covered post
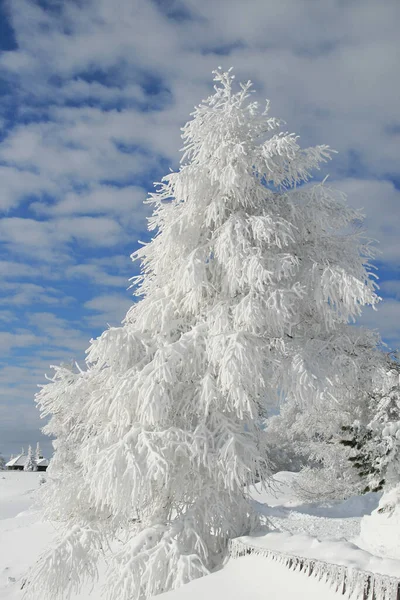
<point>243,286</point>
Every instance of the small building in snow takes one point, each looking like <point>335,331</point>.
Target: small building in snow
<point>42,464</point>
<point>19,462</point>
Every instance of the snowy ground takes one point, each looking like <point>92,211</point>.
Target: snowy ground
<point>22,534</point>
<point>326,532</point>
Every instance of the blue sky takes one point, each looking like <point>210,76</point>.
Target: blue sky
<point>92,96</point>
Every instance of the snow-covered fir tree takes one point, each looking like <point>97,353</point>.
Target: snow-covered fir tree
<point>386,426</point>
<point>350,449</point>
<point>315,433</point>
<point>30,464</point>
<point>376,447</point>
<point>387,405</point>
<point>246,289</point>
<point>38,454</point>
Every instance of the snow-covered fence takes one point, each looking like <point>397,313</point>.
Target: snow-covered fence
<point>348,581</point>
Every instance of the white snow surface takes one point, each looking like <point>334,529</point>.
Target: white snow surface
<point>325,532</point>
<point>23,535</point>
<point>253,578</point>
<point>380,531</point>
<point>285,511</point>
<point>329,532</point>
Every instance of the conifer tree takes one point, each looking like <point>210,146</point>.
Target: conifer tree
<point>316,432</point>
<point>37,452</point>
<point>375,448</point>
<point>246,288</point>
<point>348,448</point>
<point>30,464</point>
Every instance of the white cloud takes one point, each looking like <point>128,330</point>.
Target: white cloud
<point>112,308</point>
<point>16,184</point>
<point>22,416</point>
<point>324,68</point>
<point>391,288</point>
<point>93,272</point>
<point>380,201</point>
<point>20,339</point>
<point>8,316</point>
<point>59,334</point>
<point>24,236</point>
<point>101,199</point>
<point>14,270</point>
<point>21,293</point>
<point>386,319</point>
<point>79,90</point>
<point>109,271</point>
<point>75,146</point>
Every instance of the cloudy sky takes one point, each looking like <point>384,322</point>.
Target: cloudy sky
<point>92,96</point>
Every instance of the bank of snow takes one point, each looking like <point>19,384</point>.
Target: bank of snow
<point>253,578</point>
<point>16,492</point>
<point>23,536</point>
<point>336,552</point>
<point>334,529</point>
<point>380,531</point>
<point>328,532</point>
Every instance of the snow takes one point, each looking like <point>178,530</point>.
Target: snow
<point>333,551</point>
<point>327,532</point>
<point>254,578</point>
<point>282,493</point>
<point>284,510</point>
<point>380,530</point>
<point>16,492</point>
<point>23,536</point>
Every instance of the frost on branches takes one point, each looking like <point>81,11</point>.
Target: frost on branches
<point>376,446</point>
<point>353,446</point>
<point>246,289</point>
